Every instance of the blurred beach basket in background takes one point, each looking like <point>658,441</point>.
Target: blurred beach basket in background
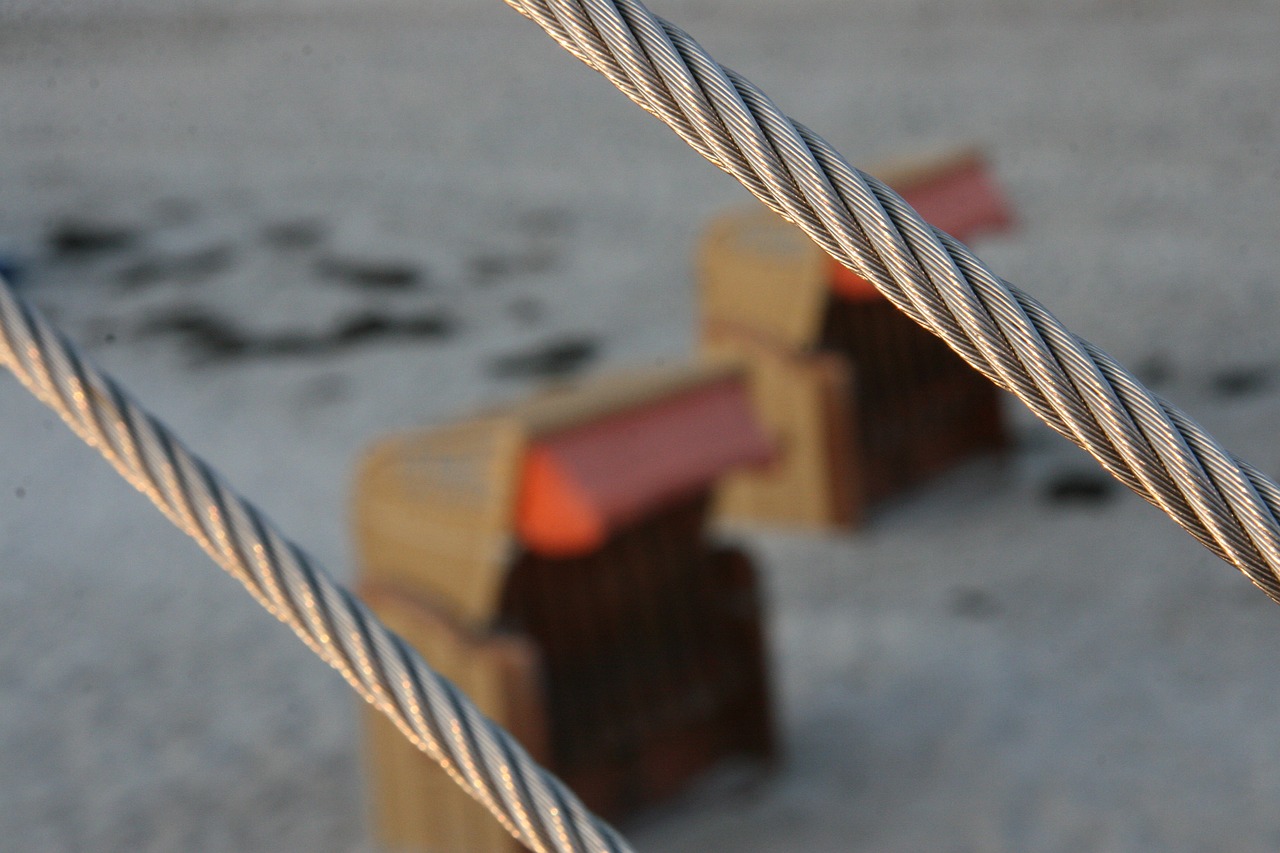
<point>549,558</point>
<point>862,402</point>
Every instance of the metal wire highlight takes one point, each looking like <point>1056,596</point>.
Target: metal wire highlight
<point>531,803</point>
<point>1078,390</point>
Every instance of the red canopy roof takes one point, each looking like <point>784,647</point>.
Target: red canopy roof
<point>586,481</point>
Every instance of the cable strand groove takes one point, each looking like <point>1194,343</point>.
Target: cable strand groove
<point>338,627</point>
<point>1151,448</point>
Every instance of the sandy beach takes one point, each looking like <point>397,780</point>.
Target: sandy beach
<point>289,228</point>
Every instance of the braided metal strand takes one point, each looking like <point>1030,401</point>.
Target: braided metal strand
<point>1145,442</point>
<point>484,760</point>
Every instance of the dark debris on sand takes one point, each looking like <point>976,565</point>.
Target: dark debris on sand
<point>555,358</point>
<point>212,338</point>
<point>370,274</point>
<point>82,238</point>
<point>1241,381</point>
<point>1080,488</point>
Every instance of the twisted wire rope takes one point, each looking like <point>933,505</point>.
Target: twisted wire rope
<point>431,712</point>
<point>1078,390</point>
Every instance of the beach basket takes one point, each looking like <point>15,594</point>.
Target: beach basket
<point>862,402</point>
<point>550,558</point>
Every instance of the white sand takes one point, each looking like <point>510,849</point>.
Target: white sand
<point>980,670</point>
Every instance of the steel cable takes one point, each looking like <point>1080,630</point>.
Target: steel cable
<point>1078,390</point>
<point>435,716</point>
